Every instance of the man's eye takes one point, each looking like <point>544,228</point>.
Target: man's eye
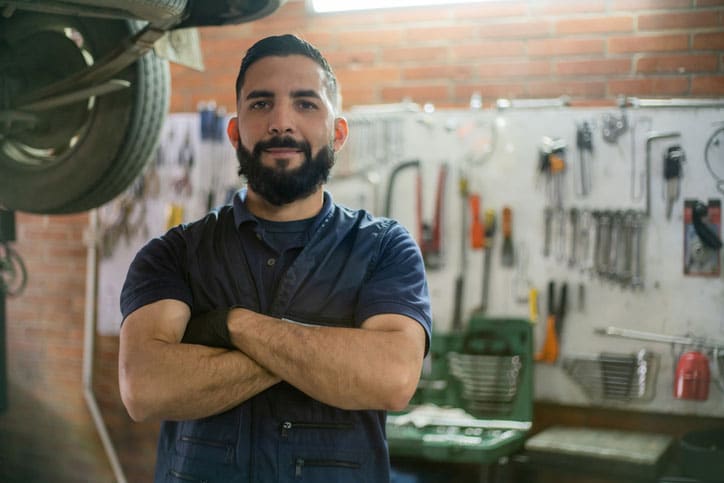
<point>259,105</point>
<point>307,105</point>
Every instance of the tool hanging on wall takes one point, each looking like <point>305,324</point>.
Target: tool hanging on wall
<point>507,252</point>
<point>673,158</point>
<point>573,216</point>
<point>702,240</point>
<point>182,185</point>
<point>613,127</point>
<point>552,164</point>
<point>651,137</point>
<point>477,227</point>
<point>457,321</point>
<point>488,250</point>
<point>548,228</point>
<point>521,286</point>
<point>211,122</point>
<point>554,324</point>
<point>429,234</point>
<point>584,143</point>
<point>638,180</point>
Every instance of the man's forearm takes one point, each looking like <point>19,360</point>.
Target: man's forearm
<point>163,379</point>
<point>343,367</point>
<point>164,387</point>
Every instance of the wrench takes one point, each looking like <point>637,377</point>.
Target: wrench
<point>573,216</point>
<point>627,268</point>
<point>652,136</point>
<point>548,214</point>
<point>637,245</point>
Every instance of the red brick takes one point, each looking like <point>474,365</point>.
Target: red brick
<point>337,22</point>
<point>594,67</point>
<point>533,68</point>
<point>321,40</point>
<point>595,25</point>
<point>74,251</point>
<point>236,34</point>
<point>277,24</point>
<point>491,10</point>
<point>419,94</point>
<point>347,56</point>
<point>368,76</point>
<point>484,50</point>
<point>651,86</point>
<point>439,34</point>
<point>356,96</point>
<point>489,91</point>
<point>648,43</point>
<point>707,85</point>
<point>678,63</point>
<point>444,72</point>
<point>649,4</point>
<point>523,29</point>
<point>361,38</point>
<point>416,15</point>
<point>558,7</point>
<point>678,20</point>
<point>410,54</point>
<point>567,88</point>
<point>553,47</point>
<point>51,233</point>
<point>709,41</point>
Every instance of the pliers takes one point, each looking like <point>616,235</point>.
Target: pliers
<point>554,324</point>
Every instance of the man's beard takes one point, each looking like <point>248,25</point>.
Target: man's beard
<point>279,186</point>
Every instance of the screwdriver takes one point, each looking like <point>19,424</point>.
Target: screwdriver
<point>508,258</point>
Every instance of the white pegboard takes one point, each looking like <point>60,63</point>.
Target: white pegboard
<point>669,303</point>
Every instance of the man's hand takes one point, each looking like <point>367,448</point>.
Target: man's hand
<point>209,329</point>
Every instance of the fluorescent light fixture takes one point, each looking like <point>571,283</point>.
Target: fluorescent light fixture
<point>326,6</point>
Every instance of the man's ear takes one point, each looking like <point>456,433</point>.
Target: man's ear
<point>341,131</point>
<point>232,131</point>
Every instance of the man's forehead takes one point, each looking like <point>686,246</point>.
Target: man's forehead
<point>284,72</point>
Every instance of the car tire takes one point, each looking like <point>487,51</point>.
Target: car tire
<point>78,156</point>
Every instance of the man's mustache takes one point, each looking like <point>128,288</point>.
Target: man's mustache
<point>282,142</point>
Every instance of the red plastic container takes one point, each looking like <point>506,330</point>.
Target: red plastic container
<point>692,377</point>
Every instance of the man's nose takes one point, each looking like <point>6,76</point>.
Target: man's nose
<point>281,120</point>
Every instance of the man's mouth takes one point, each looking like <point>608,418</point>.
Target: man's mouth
<point>282,151</point>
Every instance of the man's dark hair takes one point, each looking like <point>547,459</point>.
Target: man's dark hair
<point>282,46</point>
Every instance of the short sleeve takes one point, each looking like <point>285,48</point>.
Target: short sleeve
<point>157,272</point>
<point>397,282</point>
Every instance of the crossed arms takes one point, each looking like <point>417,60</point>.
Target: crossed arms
<point>374,367</point>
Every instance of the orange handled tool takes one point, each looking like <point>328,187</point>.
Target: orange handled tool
<point>477,228</point>
<point>554,325</point>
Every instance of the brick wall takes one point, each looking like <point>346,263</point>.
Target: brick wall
<point>591,50</point>
<point>587,49</point>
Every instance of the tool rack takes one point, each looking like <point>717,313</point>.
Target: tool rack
<point>474,403</point>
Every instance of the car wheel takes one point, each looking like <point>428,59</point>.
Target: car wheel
<point>78,156</point>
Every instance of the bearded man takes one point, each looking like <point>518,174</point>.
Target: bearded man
<point>271,336</point>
